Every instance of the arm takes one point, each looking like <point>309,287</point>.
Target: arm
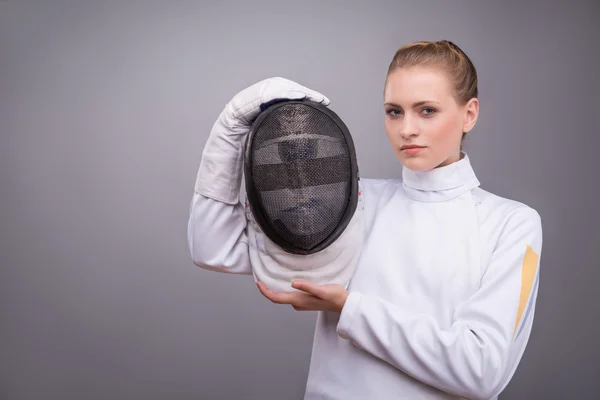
<point>217,237</point>
<point>477,356</point>
<point>216,226</point>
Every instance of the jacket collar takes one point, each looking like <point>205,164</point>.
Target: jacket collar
<point>440,184</point>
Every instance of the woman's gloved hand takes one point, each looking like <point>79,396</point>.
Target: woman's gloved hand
<point>220,173</point>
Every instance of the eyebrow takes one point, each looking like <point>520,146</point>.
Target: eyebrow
<point>417,104</point>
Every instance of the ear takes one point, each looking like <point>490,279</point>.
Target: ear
<point>471,113</point>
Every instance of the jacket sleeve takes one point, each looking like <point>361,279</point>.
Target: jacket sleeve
<point>216,236</point>
<point>216,226</point>
<point>477,356</point>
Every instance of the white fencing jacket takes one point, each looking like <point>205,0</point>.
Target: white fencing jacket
<point>442,301</point>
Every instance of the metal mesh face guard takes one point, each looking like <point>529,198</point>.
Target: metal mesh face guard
<point>301,175</point>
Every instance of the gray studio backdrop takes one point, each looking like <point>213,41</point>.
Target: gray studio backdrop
<point>105,107</point>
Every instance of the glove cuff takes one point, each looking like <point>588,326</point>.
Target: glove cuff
<point>219,176</point>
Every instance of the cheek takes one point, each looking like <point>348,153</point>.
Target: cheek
<point>446,129</point>
<point>389,129</point>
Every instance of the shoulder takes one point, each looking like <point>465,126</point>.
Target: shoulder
<point>376,194</point>
<point>377,187</point>
<point>491,202</point>
<point>507,217</point>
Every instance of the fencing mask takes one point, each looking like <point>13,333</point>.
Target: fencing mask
<point>304,205</point>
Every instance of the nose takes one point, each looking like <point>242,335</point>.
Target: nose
<point>409,127</point>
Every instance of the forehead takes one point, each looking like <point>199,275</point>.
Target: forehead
<point>408,85</point>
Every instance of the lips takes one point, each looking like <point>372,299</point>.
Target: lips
<point>412,149</point>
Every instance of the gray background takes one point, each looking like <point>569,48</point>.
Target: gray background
<point>105,107</point>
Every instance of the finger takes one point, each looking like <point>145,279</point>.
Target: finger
<point>265,291</point>
<point>278,297</point>
<point>307,302</point>
<point>308,287</point>
<point>300,308</point>
<point>310,95</point>
<point>301,90</point>
<point>312,303</point>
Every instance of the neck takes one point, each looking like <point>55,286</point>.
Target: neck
<point>452,159</point>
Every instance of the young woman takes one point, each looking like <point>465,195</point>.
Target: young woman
<point>442,302</point>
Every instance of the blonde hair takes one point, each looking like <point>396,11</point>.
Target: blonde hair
<point>448,57</point>
<point>445,55</point>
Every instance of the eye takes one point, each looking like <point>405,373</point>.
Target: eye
<point>428,111</point>
<point>393,112</point>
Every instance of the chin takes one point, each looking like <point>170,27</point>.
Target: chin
<point>419,164</point>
